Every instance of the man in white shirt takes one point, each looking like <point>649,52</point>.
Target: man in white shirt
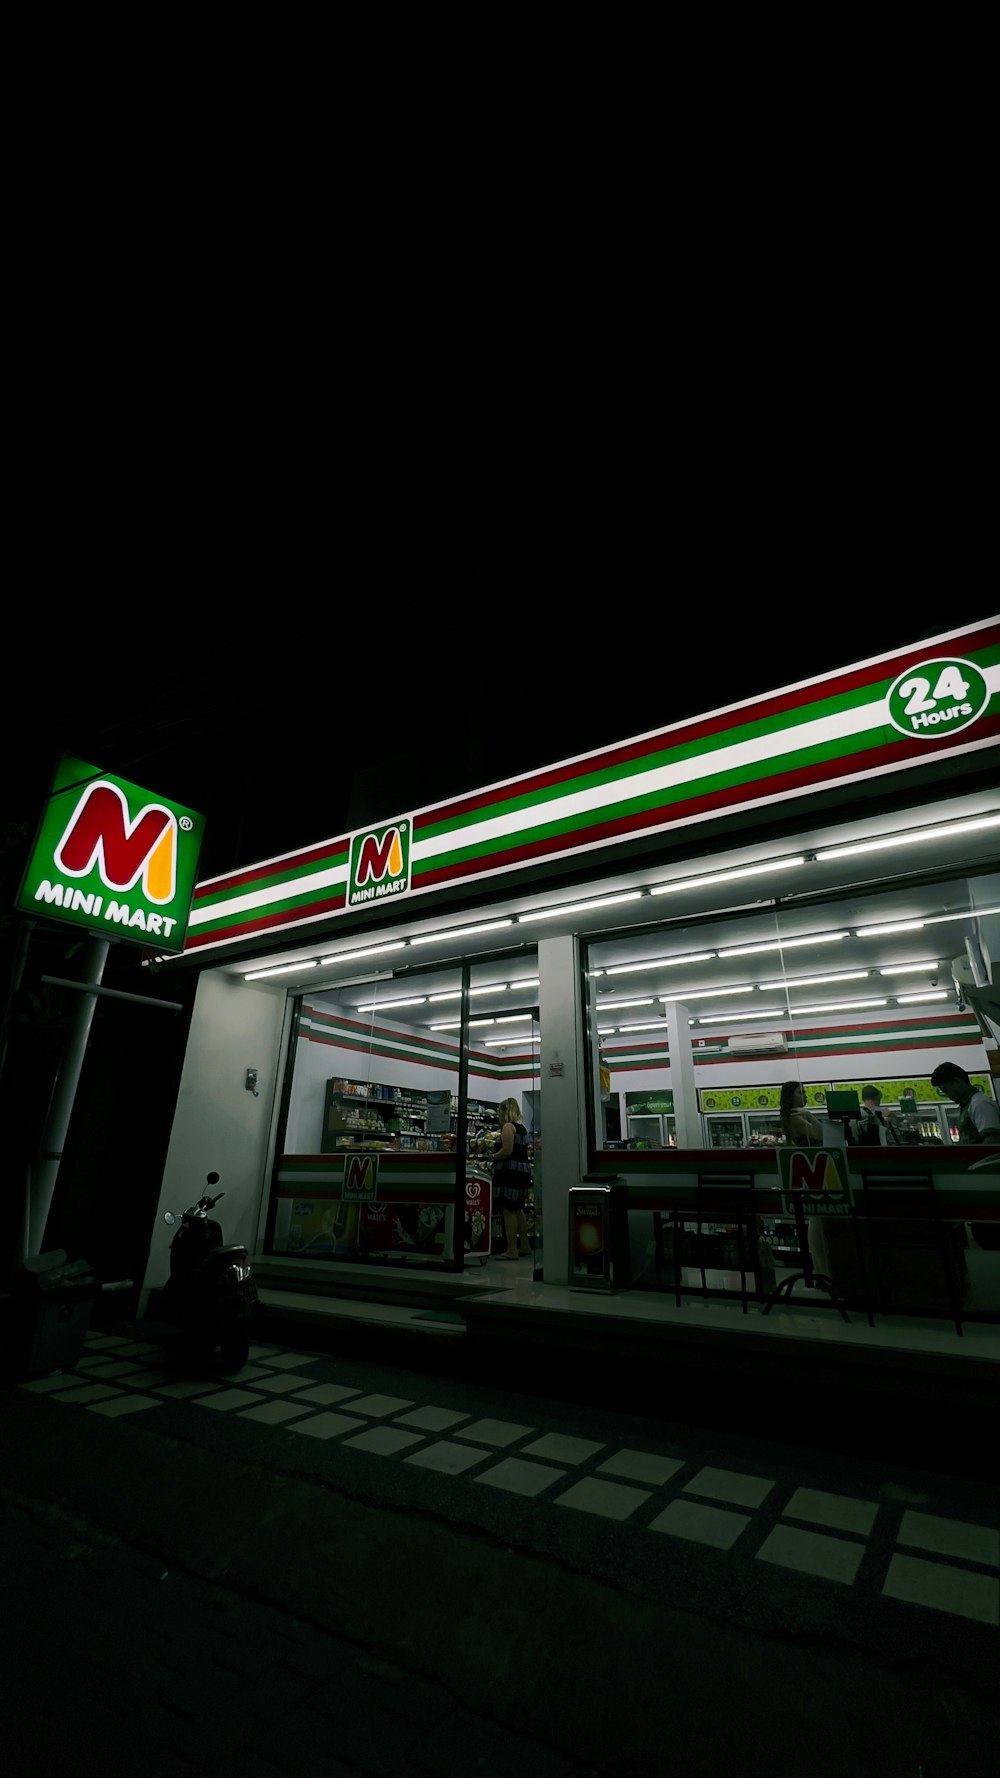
<point>979,1121</point>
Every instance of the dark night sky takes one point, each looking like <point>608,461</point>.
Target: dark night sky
<point>280,756</point>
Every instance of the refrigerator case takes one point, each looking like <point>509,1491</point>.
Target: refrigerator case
<point>648,1131</point>
<point>726,1129</point>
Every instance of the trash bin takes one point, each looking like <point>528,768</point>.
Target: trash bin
<point>598,1234</point>
<point>48,1314</point>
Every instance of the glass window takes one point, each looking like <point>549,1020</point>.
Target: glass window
<point>503,1076</point>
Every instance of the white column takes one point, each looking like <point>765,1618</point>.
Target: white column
<point>687,1125</point>
<point>563,1074</point>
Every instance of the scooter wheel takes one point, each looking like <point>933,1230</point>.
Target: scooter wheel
<point>235,1347</point>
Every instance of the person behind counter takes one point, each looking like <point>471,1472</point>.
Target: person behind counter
<point>873,1118</point>
<point>800,1127</point>
<point>978,1121</point>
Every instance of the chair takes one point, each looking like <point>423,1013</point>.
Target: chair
<point>894,1210</point>
<point>726,1196</point>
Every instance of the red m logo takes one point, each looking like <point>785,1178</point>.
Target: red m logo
<point>379,858</point>
<point>808,1172</point>
<point>100,833</point>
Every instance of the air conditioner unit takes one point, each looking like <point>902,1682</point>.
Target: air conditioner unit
<point>758,1043</point>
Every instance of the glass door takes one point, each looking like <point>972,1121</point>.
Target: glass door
<point>725,1130</point>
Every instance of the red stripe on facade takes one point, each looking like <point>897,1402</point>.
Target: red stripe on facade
<point>782,783</point>
<point>686,734</point>
<point>266,922</point>
<point>330,852</point>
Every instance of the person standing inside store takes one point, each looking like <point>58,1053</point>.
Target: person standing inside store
<point>512,1178</point>
<point>800,1127</point>
<point>978,1121</point>
<point>873,1119</point>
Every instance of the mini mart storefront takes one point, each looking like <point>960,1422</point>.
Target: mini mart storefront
<point>628,943</point>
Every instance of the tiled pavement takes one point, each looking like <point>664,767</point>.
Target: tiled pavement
<point>930,1561</point>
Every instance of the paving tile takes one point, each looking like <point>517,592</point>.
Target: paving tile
<point>272,1413</point>
<point>377,1405</point>
<point>124,1404</point>
<point>46,1385</point>
<point>494,1432</point>
<point>700,1524</point>
<point>942,1588</point>
<point>182,1390</point>
<point>515,1476</point>
<point>225,1399</point>
<point>951,1537</point>
<point>138,1349</point>
<point>447,1458</point>
<point>250,1373</point>
<point>384,1441</point>
<point>262,1352</point>
<point>327,1425</point>
<point>111,1367</point>
<point>561,1448</point>
<point>641,1466</point>
<point>811,1552</point>
<point>431,1419</point>
<point>88,1392</point>
<point>843,1512</point>
<point>286,1361</point>
<point>731,1485</point>
<point>103,1339</point>
<point>325,1393</point>
<point>277,1382</point>
<point>609,1500</point>
<point>148,1379</point>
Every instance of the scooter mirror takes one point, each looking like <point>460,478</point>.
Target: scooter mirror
<point>169,1218</point>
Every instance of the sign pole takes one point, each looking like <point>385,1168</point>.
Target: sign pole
<point>43,1178</point>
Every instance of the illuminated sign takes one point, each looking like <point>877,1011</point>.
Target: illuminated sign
<point>380,864</point>
<point>818,1177</point>
<point>113,858</point>
<point>360,1178</point>
<point>937,698</point>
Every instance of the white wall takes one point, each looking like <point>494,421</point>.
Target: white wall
<point>218,1125</point>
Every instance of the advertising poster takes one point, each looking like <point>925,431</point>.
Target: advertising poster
<point>478,1192</point>
<point>589,1256</point>
<point>818,1178</point>
<point>387,1229</point>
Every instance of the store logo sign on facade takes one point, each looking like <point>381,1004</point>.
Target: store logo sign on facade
<point>937,698</point>
<point>114,858</point>
<point>819,1177</point>
<point>380,863</point>
<point>360,1178</point>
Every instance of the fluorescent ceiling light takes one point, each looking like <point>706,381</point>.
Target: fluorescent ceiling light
<point>609,1004</point>
<point>815,981</point>
<point>448,1025</point>
<point>655,1025</point>
<point>909,839</point>
<point>705,993</point>
<point>258,975</point>
<point>837,1006</point>
<point>397,944</point>
<point>727,876</point>
<point>970,914</point>
<point>492,988</point>
<point>932,994</point>
<point>509,1018</point>
<point>884,931</point>
<point>908,968</point>
<point>524,981</point>
<point>384,1005</point>
<point>493,1043</point>
<point>606,1030</point>
<point>726,1018</point>
<point>436,938</point>
<point>784,944</point>
<point>580,907</point>
<point>452,994</point>
<point>657,963</point>
<point>486,1021</point>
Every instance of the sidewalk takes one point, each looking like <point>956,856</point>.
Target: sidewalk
<point>175,1608</point>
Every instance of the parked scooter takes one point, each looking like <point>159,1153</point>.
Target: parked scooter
<point>210,1293</point>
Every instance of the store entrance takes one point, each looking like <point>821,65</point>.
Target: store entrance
<point>503,1191</point>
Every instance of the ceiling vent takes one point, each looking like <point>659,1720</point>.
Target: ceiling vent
<point>758,1043</point>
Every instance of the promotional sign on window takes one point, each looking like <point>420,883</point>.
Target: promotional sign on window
<point>113,858</point>
<point>818,1177</point>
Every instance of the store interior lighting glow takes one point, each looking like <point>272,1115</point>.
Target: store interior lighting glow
<point>396,944</point>
<point>612,1005</point>
<point>653,1025</point>
<point>448,1025</point>
<point>384,1005</point>
<point>439,938</point>
<point>951,828</point>
<point>908,968</point>
<point>258,975</point>
<point>838,1006</point>
<point>725,1018</point>
<point>931,994</point>
<point>657,963</point>
<point>814,981</point>
<point>493,1043</point>
<point>507,1018</point>
<point>704,993</point>
<point>783,944</point>
<point>606,1030</point>
<point>970,914</point>
<point>525,981</point>
<point>580,907</point>
<point>726,876</point>
<point>886,931</point>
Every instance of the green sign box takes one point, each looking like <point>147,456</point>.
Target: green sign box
<point>113,858</point>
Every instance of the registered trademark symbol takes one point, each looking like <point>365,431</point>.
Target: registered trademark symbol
<point>186,823</point>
